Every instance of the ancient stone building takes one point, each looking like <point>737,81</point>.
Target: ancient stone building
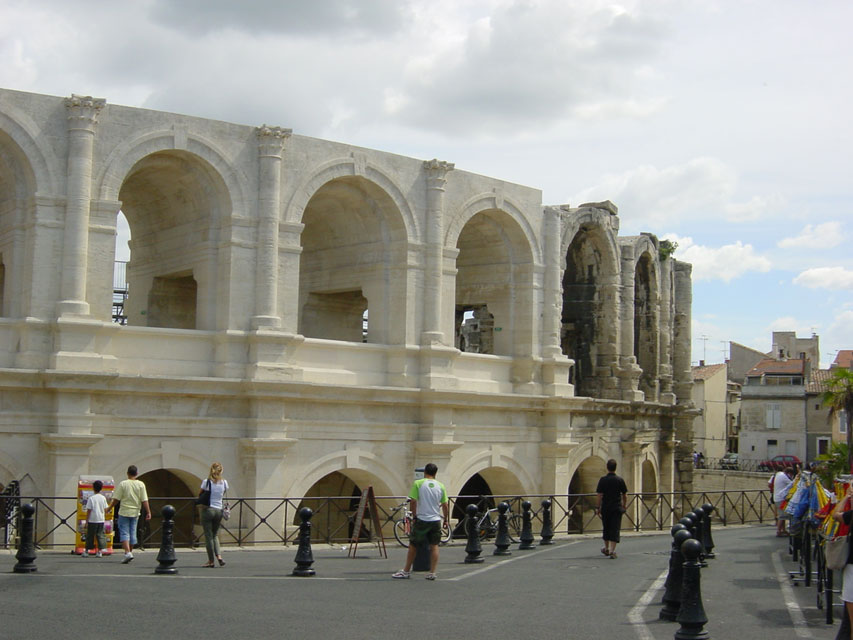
<point>293,310</point>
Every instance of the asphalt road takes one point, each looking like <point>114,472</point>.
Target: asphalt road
<point>567,591</point>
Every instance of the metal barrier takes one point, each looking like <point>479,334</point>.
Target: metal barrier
<point>274,521</point>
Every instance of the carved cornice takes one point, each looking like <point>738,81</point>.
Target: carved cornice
<point>437,171</point>
<point>83,111</point>
<point>271,140</point>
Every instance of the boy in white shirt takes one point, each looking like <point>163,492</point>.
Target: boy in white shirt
<point>96,509</point>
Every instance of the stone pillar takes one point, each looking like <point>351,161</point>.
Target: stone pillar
<point>82,117</point>
<point>263,466</point>
<point>555,365</point>
<point>436,178</point>
<point>683,374</point>
<point>629,370</point>
<point>270,147</point>
<point>289,252</point>
<point>666,394</point>
<point>607,337</point>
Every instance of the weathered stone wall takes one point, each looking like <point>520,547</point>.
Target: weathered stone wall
<point>711,480</point>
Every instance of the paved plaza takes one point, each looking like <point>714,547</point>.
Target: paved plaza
<point>568,590</point>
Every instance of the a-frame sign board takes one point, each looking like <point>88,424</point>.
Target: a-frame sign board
<point>368,501</point>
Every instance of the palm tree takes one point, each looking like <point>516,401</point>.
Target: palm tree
<point>839,398</point>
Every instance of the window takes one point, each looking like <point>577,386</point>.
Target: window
<point>842,420</point>
<point>774,415</point>
<point>822,446</point>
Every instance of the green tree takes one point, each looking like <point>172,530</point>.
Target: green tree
<point>833,464</point>
<point>839,398</point>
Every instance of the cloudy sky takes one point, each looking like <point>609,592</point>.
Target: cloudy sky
<point>724,125</point>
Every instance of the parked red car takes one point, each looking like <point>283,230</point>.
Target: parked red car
<point>778,463</point>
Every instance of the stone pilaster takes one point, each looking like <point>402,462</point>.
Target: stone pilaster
<point>83,114</point>
<point>555,365</point>
<point>665,357</point>
<point>629,370</point>
<point>682,373</point>
<point>436,179</point>
<point>271,142</point>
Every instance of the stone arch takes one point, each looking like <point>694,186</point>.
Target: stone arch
<point>494,280</point>
<point>648,477</point>
<point>151,459</point>
<point>9,469</point>
<point>647,316</point>
<point>351,167</point>
<point>591,282</point>
<point>496,462</point>
<point>176,204</point>
<point>349,461</point>
<point>123,158</point>
<point>353,249</point>
<point>38,159</point>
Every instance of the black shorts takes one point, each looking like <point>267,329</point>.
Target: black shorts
<point>424,531</point>
<point>611,520</point>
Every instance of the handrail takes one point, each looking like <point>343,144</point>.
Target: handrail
<point>265,521</point>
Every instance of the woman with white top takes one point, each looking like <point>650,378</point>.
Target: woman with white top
<point>211,516</point>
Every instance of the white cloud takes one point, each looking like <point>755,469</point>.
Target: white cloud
<point>821,236</point>
<point>721,263</point>
<point>702,188</point>
<point>826,278</point>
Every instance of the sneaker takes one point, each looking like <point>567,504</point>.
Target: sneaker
<point>99,555</point>
<point>613,555</point>
<point>85,554</point>
<point>127,559</point>
<point>401,574</point>
<point>430,576</point>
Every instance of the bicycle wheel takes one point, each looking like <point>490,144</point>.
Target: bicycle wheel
<point>400,533</point>
<point>514,524</point>
<point>446,533</point>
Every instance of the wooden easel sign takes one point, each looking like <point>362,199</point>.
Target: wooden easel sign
<point>368,500</point>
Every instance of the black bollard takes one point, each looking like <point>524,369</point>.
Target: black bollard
<point>672,586</point>
<point>27,548</point>
<point>707,540</point>
<point>689,521</point>
<point>526,537</point>
<point>502,540</point>
<point>699,532</point>
<point>691,616</point>
<point>166,556</point>
<point>304,557</point>
<point>473,548</point>
<point>547,528</point>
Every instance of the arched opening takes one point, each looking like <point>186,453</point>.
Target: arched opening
<point>493,285</point>
<point>351,250</point>
<point>174,202</point>
<point>163,485</point>
<point>17,189</point>
<point>485,489</point>
<point>122,255</point>
<point>650,482</point>
<point>582,498</point>
<point>334,499</point>
<point>645,325</point>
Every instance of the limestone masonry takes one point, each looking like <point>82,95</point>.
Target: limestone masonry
<point>294,308</point>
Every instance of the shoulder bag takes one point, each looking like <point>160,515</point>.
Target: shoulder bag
<point>837,551</point>
<point>204,497</point>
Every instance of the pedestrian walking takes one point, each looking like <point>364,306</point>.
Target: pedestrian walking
<point>780,484</point>
<point>843,512</point>
<point>612,503</point>
<point>133,496</point>
<point>430,509</point>
<point>213,490</point>
<point>96,509</point>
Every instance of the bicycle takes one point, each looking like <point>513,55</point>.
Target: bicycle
<point>403,526</point>
<point>488,528</point>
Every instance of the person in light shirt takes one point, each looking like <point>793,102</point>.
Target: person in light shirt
<point>782,482</point>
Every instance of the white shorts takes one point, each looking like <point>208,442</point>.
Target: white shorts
<point>847,590</point>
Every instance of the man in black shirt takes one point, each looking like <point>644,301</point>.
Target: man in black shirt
<point>612,502</point>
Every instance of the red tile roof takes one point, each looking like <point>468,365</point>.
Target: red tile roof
<point>844,358</point>
<point>778,367</point>
<point>703,373</point>
<point>818,382</point>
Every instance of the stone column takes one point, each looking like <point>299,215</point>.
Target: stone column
<point>665,329</point>
<point>682,373</point>
<point>436,178</point>
<point>270,148</point>
<point>263,461</point>
<point>629,370</point>
<point>82,117</point>
<point>555,365</point>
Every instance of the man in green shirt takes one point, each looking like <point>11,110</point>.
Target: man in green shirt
<point>430,509</point>
<point>133,497</point>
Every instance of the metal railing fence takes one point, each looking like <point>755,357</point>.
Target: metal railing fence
<point>275,521</point>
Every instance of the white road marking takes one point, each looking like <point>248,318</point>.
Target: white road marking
<point>635,615</point>
<point>477,572</point>
<point>797,617</point>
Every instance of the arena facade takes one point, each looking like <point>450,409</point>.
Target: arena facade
<point>294,309</point>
